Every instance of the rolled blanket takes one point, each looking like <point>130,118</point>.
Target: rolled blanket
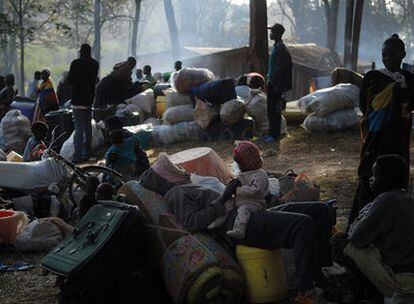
<point>197,269</point>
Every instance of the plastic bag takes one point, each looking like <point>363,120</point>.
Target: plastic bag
<point>173,98</point>
<point>98,141</point>
<point>336,121</point>
<point>144,101</point>
<point>188,78</point>
<point>205,115</point>
<point>42,234</point>
<point>15,131</point>
<point>232,111</point>
<point>329,100</point>
<point>208,182</point>
<point>178,114</point>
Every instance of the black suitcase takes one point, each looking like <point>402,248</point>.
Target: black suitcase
<point>105,247</point>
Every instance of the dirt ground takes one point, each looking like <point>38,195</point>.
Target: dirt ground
<point>329,160</point>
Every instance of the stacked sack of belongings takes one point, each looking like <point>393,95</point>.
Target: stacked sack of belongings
<point>332,109</point>
<point>14,131</point>
<point>98,141</point>
<point>196,268</point>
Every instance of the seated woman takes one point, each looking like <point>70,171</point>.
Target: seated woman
<point>304,227</point>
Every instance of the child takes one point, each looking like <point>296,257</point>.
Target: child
<point>104,192</point>
<point>35,145</point>
<point>121,154</point>
<point>88,199</point>
<point>253,186</point>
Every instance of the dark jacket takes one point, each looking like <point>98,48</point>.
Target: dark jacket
<point>388,224</point>
<point>279,76</point>
<point>82,76</point>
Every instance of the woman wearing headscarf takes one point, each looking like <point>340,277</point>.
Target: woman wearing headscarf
<point>386,101</point>
<point>47,99</point>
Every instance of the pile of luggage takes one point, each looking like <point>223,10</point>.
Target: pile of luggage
<point>332,109</point>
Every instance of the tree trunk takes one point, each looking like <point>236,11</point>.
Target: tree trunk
<point>332,19</point>
<point>21,40</point>
<point>97,31</point>
<point>135,28</point>
<point>259,48</point>
<point>356,33</point>
<point>348,31</point>
<point>172,25</point>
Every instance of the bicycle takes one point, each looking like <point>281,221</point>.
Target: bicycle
<point>75,184</point>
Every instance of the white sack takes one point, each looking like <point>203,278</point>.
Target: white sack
<point>144,101</point>
<point>336,121</point>
<point>256,107</point>
<point>173,98</point>
<point>232,111</point>
<point>170,134</point>
<point>323,102</point>
<point>178,114</point>
<point>188,78</point>
<point>31,175</point>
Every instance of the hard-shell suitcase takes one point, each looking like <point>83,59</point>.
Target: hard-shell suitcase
<point>104,247</point>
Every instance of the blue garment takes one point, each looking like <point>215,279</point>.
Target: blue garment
<point>83,134</point>
<point>124,154</point>
<point>31,144</point>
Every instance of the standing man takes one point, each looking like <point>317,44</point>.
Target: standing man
<point>82,76</point>
<point>7,94</point>
<point>279,80</point>
<point>34,85</point>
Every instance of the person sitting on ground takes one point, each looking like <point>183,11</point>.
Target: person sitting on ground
<point>105,192</point>
<point>7,95</point>
<point>142,162</point>
<point>122,154</point>
<point>89,198</point>
<point>178,65</point>
<point>35,145</point>
<point>48,100</point>
<point>253,187</point>
<point>242,89</point>
<point>304,227</point>
<point>381,242</point>
<point>64,89</point>
<point>34,85</point>
<point>148,76</point>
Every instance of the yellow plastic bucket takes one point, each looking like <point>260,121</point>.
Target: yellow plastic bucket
<point>160,106</point>
<point>264,272</point>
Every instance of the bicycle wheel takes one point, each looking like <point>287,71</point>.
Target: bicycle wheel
<point>77,183</point>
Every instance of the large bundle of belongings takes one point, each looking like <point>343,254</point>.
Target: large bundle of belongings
<point>332,109</point>
<point>197,267</point>
<point>14,131</point>
<point>195,107</point>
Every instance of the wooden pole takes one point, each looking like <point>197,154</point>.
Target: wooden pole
<point>349,17</point>
<point>259,47</point>
<point>356,33</point>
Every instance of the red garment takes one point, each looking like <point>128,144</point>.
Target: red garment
<point>247,155</point>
